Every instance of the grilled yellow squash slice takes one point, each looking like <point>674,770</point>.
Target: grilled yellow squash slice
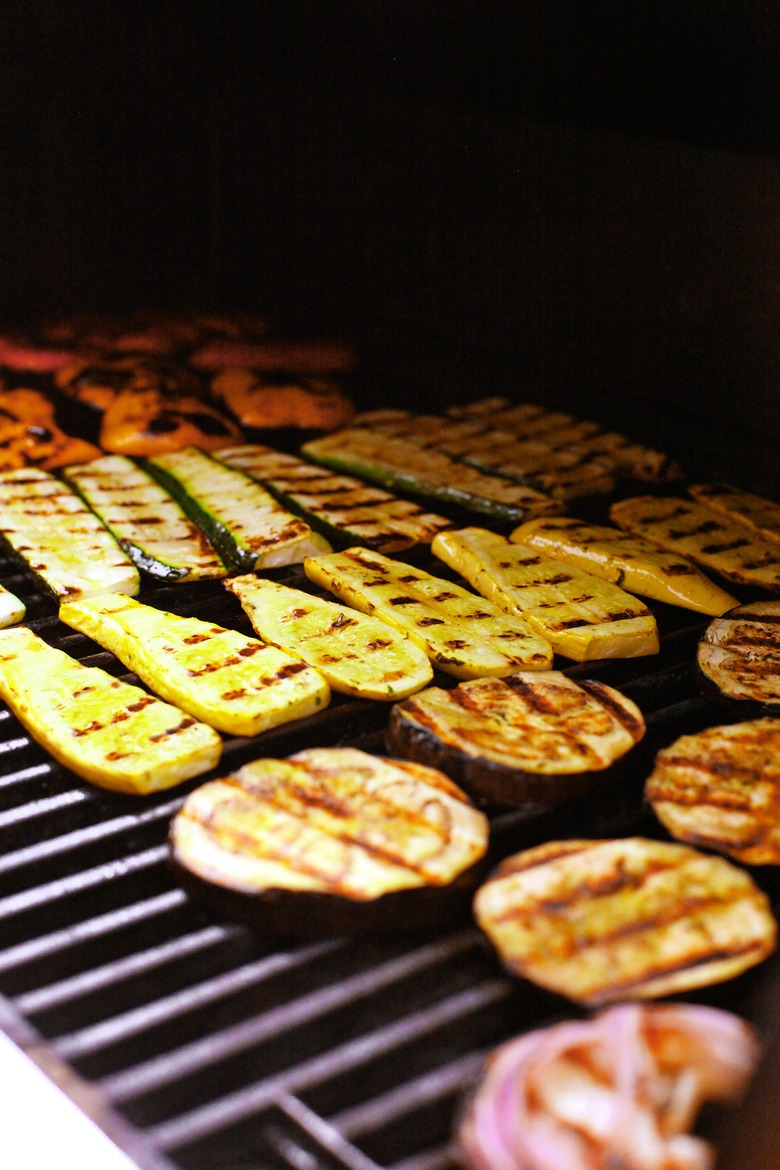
<point>739,658</point>
<point>600,921</point>
<point>720,788</point>
<point>103,729</point>
<point>745,507</point>
<point>716,543</point>
<point>358,654</point>
<point>12,610</point>
<point>237,684</point>
<point>331,839</point>
<point>463,635</point>
<point>61,541</point>
<point>581,616</point>
<point>629,561</point>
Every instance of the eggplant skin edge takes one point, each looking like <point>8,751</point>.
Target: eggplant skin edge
<point>487,781</point>
<point>738,709</point>
<point>307,914</point>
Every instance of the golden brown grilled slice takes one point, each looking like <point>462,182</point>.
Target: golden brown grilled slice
<point>533,737</point>
<point>739,657</point>
<point>332,839</point>
<point>716,543</point>
<point>601,921</point>
<point>721,788</point>
<point>745,507</point>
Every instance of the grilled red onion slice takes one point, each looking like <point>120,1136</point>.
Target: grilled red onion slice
<point>621,1089</point>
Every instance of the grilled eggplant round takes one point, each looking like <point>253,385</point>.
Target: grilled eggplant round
<point>720,788</point>
<point>602,921</point>
<point>532,738</point>
<point>738,659</point>
<point>332,841</point>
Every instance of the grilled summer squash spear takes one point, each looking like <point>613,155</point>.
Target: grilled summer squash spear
<point>635,564</point>
<point>105,730</point>
<point>600,921</point>
<point>463,635</point>
<point>237,684</point>
<point>581,616</point>
<point>332,840</point>
<point>148,523</point>
<point>754,511</point>
<point>60,540</point>
<point>358,654</point>
<point>530,738</point>
<point>247,526</point>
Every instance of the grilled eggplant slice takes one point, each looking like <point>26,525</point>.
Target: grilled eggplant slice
<point>738,658</point>
<point>236,684</point>
<point>332,840</point>
<point>60,540</point>
<point>530,738</point>
<point>716,543</point>
<point>600,921</point>
<point>12,610</point>
<point>358,654</point>
<point>246,525</point>
<point>720,788</point>
<point>462,634</point>
<point>403,466</point>
<point>148,523</point>
<point>581,616</point>
<point>756,512</point>
<point>111,733</point>
<point>635,564</point>
<point>342,508</point>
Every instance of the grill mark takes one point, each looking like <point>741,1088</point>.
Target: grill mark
<point>170,732</point>
<point>613,990</point>
<point>726,546</point>
<point>598,691</point>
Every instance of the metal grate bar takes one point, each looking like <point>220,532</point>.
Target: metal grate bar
<point>44,807</point>
<point>324,1133</point>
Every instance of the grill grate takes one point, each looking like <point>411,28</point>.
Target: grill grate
<point>208,1044</point>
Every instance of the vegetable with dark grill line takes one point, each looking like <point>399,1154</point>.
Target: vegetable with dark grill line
<point>738,659</point>
<point>756,512</point>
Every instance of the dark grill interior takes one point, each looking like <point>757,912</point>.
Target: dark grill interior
<point>209,1045</point>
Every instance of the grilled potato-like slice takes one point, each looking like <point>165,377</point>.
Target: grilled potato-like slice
<point>745,507</point>
<point>532,737</point>
<point>600,921</point>
<point>715,543</point>
<point>720,788</point>
<point>111,733</point>
<point>632,562</point>
<point>581,616</point>
<point>739,658</point>
<point>358,654</point>
<point>462,634</point>
<point>61,541</point>
<point>236,684</point>
<point>332,839</point>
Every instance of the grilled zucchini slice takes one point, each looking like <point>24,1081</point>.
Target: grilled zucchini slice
<point>632,562</point>
<point>581,616</point>
<point>12,610</point>
<point>332,840</point>
<point>246,525</point>
<point>358,654</point>
<point>342,508</point>
<point>738,658</point>
<point>59,539</point>
<point>237,684</point>
<point>716,543</point>
<point>720,788</point>
<point>533,737</point>
<point>148,523</point>
<point>462,634</point>
<point>746,508</point>
<point>111,733</point>
<point>406,467</point>
<point>600,921</point>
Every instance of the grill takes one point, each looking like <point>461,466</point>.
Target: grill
<point>198,1043</point>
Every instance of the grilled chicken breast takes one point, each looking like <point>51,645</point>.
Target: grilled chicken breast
<point>600,921</point>
<point>111,733</point>
<point>720,788</point>
<point>581,616</point>
<point>328,839</point>
<point>739,656</point>
<point>464,635</point>
<point>358,654</point>
<point>536,737</point>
